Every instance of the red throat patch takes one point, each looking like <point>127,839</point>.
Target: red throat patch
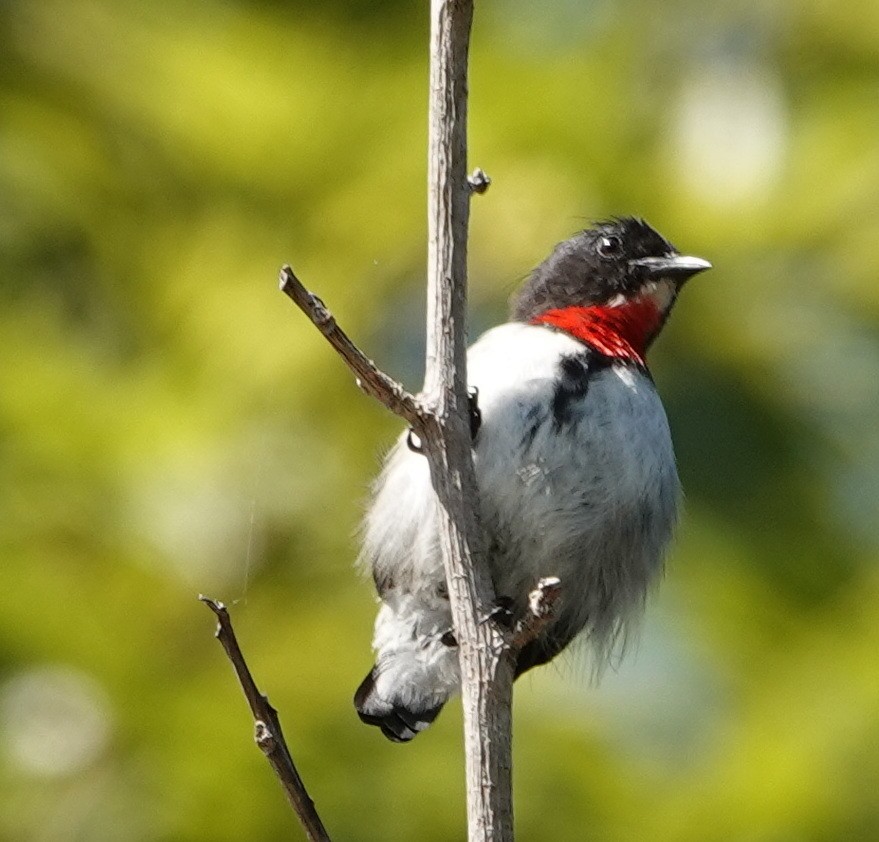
<point>621,332</point>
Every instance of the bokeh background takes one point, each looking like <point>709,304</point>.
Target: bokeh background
<point>170,424</point>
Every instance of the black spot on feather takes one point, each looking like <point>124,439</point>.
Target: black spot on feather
<point>573,384</point>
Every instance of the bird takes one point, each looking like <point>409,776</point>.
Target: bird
<point>574,466</point>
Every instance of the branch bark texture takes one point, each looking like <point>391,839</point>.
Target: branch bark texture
<point>486,665</point>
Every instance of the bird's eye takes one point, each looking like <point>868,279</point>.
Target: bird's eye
<point>609,246</point>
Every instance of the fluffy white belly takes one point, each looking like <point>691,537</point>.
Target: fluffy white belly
<point>586,490</point>
<point>583,488</point>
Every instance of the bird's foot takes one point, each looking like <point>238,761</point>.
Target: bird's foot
<point>413,442</point>
<point>502,613</point>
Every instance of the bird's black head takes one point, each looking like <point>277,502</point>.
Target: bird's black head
<point>608,264</point>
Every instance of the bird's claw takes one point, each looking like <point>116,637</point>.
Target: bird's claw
<point>413,442</point>
<point>502,613</point>
<point>474,410</point>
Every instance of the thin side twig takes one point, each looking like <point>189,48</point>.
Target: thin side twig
<point>542,602</point>
<point>267,728</point>
<point>370,379</point>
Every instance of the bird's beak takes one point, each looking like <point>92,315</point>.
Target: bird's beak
<point>678,267</point>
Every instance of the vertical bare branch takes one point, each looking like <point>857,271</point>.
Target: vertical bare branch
<point>441,418</point>
<point>486,668</point>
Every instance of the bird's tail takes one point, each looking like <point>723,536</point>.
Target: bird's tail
<point>397,721</point>
<point>416,671</point>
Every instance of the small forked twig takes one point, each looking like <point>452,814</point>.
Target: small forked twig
<point>267,728</point>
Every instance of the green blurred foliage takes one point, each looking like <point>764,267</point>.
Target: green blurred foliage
<point>169,423</point>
